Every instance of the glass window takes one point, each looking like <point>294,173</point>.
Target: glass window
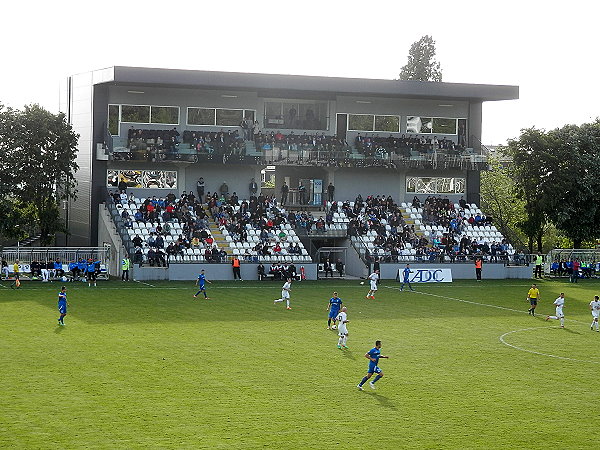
<point>387,123</point>
<point>300,115</point>
<point>201,116</point>
<point>444,126</point>
<point>113,119</point>
<point>229,117</point>
<point>135,114</point>
<point>250,114</point>
<point>360,122</point>
<point>165,114</point>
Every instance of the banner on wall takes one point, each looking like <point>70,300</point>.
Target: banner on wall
<point>426,275</point>
<point>146,179</point>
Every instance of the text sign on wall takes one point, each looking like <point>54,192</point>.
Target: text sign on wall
<point>427,275</point>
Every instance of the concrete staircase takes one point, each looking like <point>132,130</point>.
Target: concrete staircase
<point>218,237</point>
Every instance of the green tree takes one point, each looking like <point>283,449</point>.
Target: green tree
<point>500,201</point>
<point>556,174</point>
<point>422,65</point>
<point>531,158</point>
<point>573,185</point>
<point>37,171</point>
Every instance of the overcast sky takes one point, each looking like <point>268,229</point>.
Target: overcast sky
<point>547,48</point>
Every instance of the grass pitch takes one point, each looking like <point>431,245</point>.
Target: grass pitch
<point>138,366</point>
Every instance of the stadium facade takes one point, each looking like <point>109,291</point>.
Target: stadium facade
<point>104,105</point>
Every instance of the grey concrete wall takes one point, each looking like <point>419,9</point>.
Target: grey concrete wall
<point>463,271</point>
<point>183,272</point>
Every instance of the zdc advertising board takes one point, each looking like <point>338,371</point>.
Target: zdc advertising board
<point>427,275</point>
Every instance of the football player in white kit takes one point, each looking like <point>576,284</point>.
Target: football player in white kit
<point>559,303</point>
<point>285,293</point>
<point>342,320</point>
<point>373,280</point>
<point>595,308</point>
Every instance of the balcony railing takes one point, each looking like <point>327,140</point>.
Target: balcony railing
<point>303,156</point>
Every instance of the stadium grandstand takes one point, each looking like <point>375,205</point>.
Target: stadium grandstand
<point>183,169</point>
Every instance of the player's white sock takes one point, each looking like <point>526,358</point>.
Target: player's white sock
<point>562,321</point>
<point>278,300</point>
<point>287,303</point>
<point>344,340</point>
<point>340,340</point>
<point>553,317</point>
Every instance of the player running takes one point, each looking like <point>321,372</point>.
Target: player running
<point>201,283</point>
<point>373,356</point>
<point>595,308</point>
<point>335,303</point>
<point>62,305</point>
<point>373,280</point>
<point>559,303</point>
<point>285,293</point>
<point>406,278</point>
<point>533,297</point>
<point>342,319</point>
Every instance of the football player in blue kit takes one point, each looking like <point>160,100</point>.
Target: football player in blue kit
<point>201,283</point>
<point>373,356</point>
<point>62,305</point>
<point>335,304</point>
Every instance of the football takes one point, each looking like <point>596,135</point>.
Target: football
<point>362,282</point>
<point>333,327</point>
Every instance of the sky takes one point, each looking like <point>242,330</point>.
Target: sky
<point>547,48</point>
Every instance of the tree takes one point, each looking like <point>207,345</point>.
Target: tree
<point>556,175</point>
<point>574,185</point>
<point>421,65</point>
<point>499,201</point>
<point>37,172</point>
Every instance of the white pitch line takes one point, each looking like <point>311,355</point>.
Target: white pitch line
<point>540,353</point>
<point>147,284</point>
<point>479,304</point>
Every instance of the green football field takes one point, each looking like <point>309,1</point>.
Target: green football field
<point>140,366</point>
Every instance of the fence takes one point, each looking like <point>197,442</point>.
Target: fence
<point>26,255</point>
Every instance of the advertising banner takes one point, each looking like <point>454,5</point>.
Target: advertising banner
<point>427,275</point>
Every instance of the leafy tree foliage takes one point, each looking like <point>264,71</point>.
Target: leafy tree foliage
<point>556,174</point>
<point>38,151</point>
<point>422,65</point>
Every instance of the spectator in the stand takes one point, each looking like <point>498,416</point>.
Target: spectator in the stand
<point>330,192</point>
<point>200,188</point>
<point>224,190</point>
<point>253,187</point>
<point>284,193</point>
<point>122,185</point>
<point>302,193</point>
<point>339,266</point>
<point>261,272</point>
<point>462,203</point>
<point>328,268</point>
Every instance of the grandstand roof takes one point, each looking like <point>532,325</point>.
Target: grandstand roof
<point>302,85</point>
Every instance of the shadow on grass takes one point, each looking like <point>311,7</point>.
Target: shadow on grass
<point>569,330</point>
<point>58,329</point>
<point>348,354</point>
<point>383,400</point>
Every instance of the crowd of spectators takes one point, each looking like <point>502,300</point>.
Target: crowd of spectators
<point>162,214</point>
<point>305,141</point>
<point>393,238</point>
<point>169,144</point>
<point>377,146</point>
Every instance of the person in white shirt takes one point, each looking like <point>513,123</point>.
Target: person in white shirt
<point>595,308</point>
<point>342,320</point>
<point>285,293</point>
<point>559,303</point>
<point>373,280</point>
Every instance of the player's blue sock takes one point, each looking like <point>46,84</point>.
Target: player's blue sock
<point>197,293</point>
<point>377,378</point>
<point>364,380</point>
<point>205,296</point>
